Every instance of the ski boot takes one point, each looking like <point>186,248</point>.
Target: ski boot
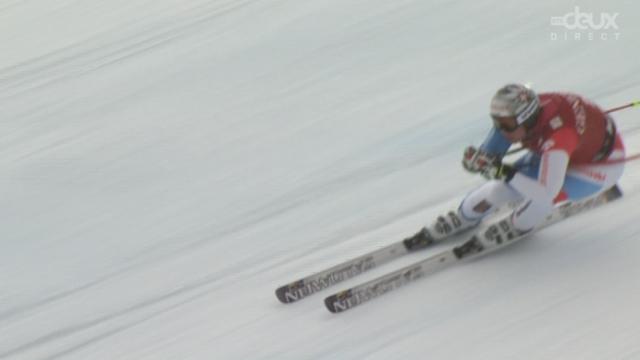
<point>444,227</point>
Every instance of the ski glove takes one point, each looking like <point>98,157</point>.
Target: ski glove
<point>475,160</point>
<point>488,165</point>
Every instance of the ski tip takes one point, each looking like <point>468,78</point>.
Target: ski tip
<point>339,302</point>
<point>281,294</point>
<point>291,292</point>
<point>329,303</point>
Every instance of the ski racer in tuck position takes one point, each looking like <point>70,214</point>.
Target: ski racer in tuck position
<point>574,160</point>
<point>574,152</point>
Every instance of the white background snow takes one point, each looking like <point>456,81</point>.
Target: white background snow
<point>166,164</point>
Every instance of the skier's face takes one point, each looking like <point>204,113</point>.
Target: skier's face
<point>509,128</point>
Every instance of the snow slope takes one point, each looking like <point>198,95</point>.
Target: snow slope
<point>165,165</point>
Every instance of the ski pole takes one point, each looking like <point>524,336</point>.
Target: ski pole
<point>631,104</point>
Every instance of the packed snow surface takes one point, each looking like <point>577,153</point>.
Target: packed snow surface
<point>166,164</point>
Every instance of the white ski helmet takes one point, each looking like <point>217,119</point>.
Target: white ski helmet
<point>516,100</point>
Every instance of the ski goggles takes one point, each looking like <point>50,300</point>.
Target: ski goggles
<point>507,124</point>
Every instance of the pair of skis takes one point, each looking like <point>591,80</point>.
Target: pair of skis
<point>488,238</point>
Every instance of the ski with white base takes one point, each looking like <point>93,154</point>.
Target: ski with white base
<point>488,239</point>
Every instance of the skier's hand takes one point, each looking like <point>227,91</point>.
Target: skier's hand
<point>475,160</point>
<point>489,166</point>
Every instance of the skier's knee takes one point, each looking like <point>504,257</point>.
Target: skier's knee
<point>531,213</point>
<point>486,198</point>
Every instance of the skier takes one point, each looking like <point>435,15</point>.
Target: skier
<point>572,151</point>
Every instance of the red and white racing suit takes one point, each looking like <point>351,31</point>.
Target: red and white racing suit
<point>574,152</point>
